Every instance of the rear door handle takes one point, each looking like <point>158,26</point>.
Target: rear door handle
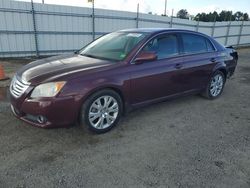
<point>178,66</point>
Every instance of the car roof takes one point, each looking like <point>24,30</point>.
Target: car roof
<point>154,30</point>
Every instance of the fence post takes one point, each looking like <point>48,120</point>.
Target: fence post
<point>93,19</point>
<point>213,28</point>
<point>241,28</point>
<point>228,29</point>
<point>197,26</point>
<point>171,21</point>
<point>137,16</point>
<point>34,27</point>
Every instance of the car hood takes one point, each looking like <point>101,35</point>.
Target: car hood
<point>54,67</point>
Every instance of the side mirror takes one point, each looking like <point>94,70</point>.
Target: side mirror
<point>145,56</point>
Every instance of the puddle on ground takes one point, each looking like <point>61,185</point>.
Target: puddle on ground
<point>4,94</point>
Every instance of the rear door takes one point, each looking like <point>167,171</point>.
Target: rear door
<point>199,59</point>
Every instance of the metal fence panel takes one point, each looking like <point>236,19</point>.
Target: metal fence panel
<point>43,29</point>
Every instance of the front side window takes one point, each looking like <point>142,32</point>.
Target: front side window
<point>196,44</point>
<point>164,46</point>
<point>114,46</point>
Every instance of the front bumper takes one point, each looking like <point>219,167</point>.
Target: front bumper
<point>57,111</point>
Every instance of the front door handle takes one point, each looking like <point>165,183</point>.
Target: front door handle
<point>178,66</point>
<point>213,60</point>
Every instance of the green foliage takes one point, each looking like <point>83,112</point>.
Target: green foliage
<point>222,16</point>
<point>183,14</point>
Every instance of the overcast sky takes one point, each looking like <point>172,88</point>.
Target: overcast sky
<point>157,6</point>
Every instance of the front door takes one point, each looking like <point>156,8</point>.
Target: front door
<point>161,77</point>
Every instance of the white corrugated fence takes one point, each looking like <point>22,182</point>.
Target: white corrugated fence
<point>28,29</point>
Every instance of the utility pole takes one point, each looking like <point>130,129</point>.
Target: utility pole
<point>165,10</point>
<point>42,1</point>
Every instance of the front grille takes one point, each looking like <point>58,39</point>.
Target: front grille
<point>17,87</point>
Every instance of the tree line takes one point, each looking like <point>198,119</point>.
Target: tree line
<point>224,15</point>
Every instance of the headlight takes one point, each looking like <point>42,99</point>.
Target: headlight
<point>47,90</point>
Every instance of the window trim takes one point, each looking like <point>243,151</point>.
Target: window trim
<point>180,44</point>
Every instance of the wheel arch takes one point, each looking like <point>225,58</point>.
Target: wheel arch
<point>222,68</point>
<point>107,87</point>
<point>110,87</point>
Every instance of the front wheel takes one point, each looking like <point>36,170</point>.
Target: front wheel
<point>215,85</point>
<point>101,111</point>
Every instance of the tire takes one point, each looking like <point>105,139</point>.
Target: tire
<point>215,88</point>
<point>98,117</point>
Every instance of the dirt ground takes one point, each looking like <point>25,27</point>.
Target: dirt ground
<point>188,142</point>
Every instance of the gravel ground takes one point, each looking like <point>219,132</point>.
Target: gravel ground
<point>187,142</point>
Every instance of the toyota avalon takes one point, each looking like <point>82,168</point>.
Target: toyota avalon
<point>118,72</point>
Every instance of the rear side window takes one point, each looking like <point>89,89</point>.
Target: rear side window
<point>164,46</point>
<point>196,44</point>
<point>210,47</point>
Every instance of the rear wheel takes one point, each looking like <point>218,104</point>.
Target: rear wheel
<point>101,111</point>
<point>215,86</point>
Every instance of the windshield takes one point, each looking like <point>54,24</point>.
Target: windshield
<point>113,46</point>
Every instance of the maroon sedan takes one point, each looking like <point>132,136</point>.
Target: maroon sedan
<point>118,72</point>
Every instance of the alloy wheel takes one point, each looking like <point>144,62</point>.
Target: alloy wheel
<point>103,112</point>
<point>216,85</point>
